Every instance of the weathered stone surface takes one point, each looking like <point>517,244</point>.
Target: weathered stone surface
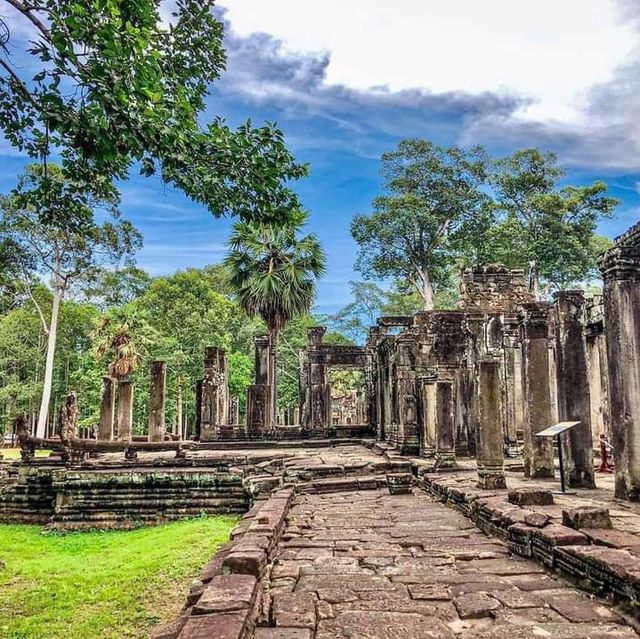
<point>220,626</point>
<point>246,562</point>
<point>586,517</point>
<point>537,520</point>
<point>282,633</point>
<point>295,610</point>
<point>430,592</point>
<point>476,605</point>
<point>382,625</point>
<point>226,593</point>
<point>531,496</point>
<point>399,483</point>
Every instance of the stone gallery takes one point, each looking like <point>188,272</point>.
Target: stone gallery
<point>425,506</point>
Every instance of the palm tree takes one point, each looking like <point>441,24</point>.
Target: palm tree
<point>274,274</point>
<point>125,339</point>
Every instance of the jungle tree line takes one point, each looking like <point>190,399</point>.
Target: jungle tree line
<point>445,208</point>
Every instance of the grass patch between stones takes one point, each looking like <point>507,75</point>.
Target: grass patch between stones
<point>100,584</point>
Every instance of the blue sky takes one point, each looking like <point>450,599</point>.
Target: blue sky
<point>346,80</point>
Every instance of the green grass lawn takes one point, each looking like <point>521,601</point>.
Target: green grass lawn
<point>109,585</point>
<point>14,453</point>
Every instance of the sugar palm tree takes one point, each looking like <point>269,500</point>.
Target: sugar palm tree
<point>274,274</point>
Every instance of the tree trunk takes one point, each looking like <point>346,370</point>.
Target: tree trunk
<point>48,371</point>
<point>273,374</point>
<point>426,292</point>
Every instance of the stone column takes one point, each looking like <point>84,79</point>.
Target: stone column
<point>157,398</point>
<point>538,451</point>
<point>428,415</point>
<point>262,368</point>
<point>125,409</point>
<point>490,438</point>
<point>319,389</point>
<point>197,429</point>
<point>407,402</point>
<point>214,395</point>
<point>107,410</point>
<point>445,424</point>
<point>620,268</point>
<point>512,406</point>
<point>574,401</point>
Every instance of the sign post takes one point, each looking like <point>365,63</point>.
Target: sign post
<point>555,431</point>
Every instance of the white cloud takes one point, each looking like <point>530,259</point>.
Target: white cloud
<point>553,51</point>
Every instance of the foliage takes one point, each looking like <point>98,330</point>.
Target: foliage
<point>541,224</point>
<point>432,213</point>
<point>137,579</point>
<point>110,83</point>
<point>272,271</point>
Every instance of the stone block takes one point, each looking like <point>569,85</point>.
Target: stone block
<point>537,520</point>
<point>295,610</point>
<point>531,496</point>
<point>476,605</point>
<point>227,593</point>
<point>399,483</point>
<point>219,626</point>
<point>173,629</point>
<point>246,562</point>
<point>586,517</point>
<point>282,633</point>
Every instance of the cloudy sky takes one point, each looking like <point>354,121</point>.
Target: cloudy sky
<point>347,79</point>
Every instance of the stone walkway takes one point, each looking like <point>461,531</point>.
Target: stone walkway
<point>368,565</point>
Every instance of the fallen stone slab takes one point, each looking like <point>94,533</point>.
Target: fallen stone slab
<point>586,517</point>
<point>530,496</point>
<point>282,633</point>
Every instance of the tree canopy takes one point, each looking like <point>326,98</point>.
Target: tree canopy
<point>110,83</point>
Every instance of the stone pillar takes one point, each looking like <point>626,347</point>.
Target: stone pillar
<point>125,409</point>
<point>512,406</point>
<point>107,410</point>
<point>490,438</point>
<point>620,268</point>
<point>197,429</point>
<point>234,410</point>
<point>574,402</point>
<point>157,398</point>
<point>259,419</point>
<point>538,451</point>
<point>262,368</point>
<point>445,424</point>
<point>406,395</point>
<point>214,398</point>
<point>428,415</point>
<point>319,389</point>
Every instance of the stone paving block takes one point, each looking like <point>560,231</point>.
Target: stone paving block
<point>282,633</point>
<point>295,610</point>
<point>226,593</point>
<point>246,562</point>
<point>219,626</point>
<point>382,625</point>
<point>581,610</point>
<point>430,592</point>
<point>476,605</point>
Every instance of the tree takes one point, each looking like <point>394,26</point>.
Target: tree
<point>68,249</point>
<point>118,287</point>
<point>545,226</point>
<point>111,82</point>
<point>433,212</point>
<point>273,273</point>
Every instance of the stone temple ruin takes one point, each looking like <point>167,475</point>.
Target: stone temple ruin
<point>341,535</point>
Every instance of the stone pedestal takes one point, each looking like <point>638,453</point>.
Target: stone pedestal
<point>574,403</point>
<point>157,397</point>
<point>620,268</point>
<point>490,439</point>
<point>125,410</point>
<point>445,424</point>
<point>538,451</point>
<point>107,409</point>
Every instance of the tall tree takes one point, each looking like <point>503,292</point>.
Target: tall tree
<point>273,272</point>
<point>543,225</point>
<point>432,213</point>
<point>107,83</point>
<point>68,249</point>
